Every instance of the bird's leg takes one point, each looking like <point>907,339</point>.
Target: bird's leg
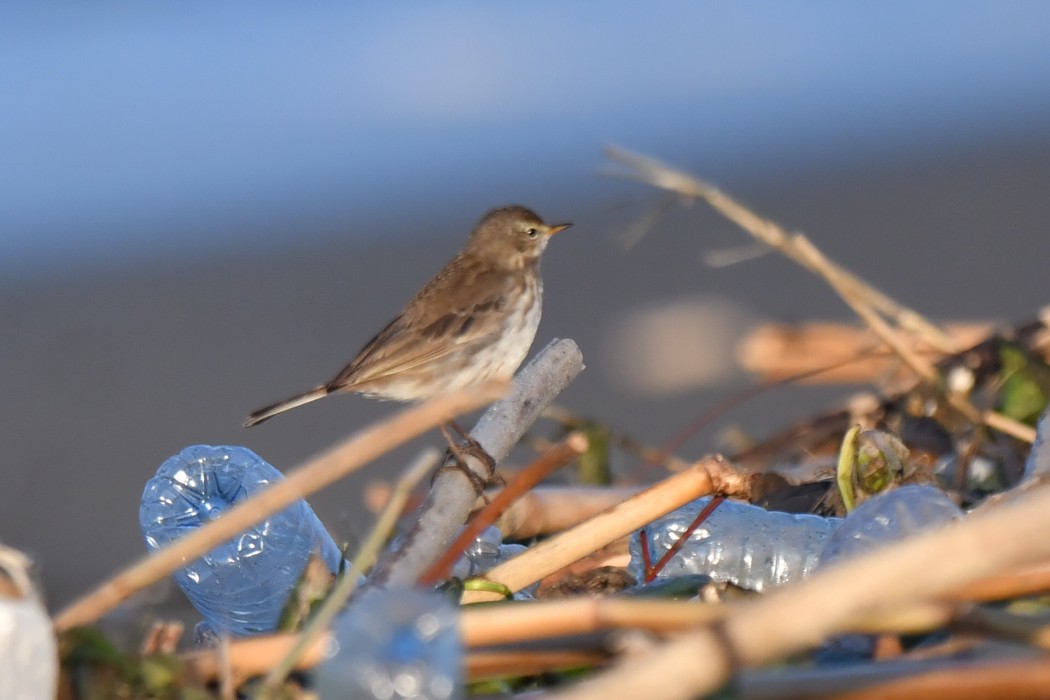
<point>475,449</point>
<point>469,448</point>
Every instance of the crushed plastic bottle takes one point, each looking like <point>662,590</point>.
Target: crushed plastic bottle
<point>394,644</point>
<point>484,553</point>
<point>28,654</point>
<point>738,543</point>
<point>886,518</point>
<point>241,586</point>
<point>890,517</point>
<point>487,551</point>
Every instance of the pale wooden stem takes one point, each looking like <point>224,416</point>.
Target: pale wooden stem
<point>485,665</point>
<point>251,657</point>
<point>928,679</point>
<point>707,476</point>
<point>452,495</point>
<point>829,353</point>
<point>548,509</point>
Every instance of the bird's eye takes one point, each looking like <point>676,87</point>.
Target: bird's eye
<point>531,232</point>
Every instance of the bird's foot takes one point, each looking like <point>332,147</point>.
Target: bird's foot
<point>457,459</point>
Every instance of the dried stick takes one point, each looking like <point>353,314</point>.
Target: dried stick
<point>572,446</point>
<point>452,495</point>
<point>939,679</point>
<point>315,474</point>
<point>486,665</point>
<point>798,616</point>
<point>492,625</point>
<point>829,353</point>
<point>1002,585</point>
<point>707,476</point>
<point>658,174</point>
<point>548,509</point>
<point>866,301</point>
<point>919,364</point>
<point>653,569</point>
<point>886,333</point>
<point>250,657</point>
<point>484,626</point>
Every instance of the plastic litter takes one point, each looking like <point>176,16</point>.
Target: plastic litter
<point>394,644</point>
<point>241,586</point>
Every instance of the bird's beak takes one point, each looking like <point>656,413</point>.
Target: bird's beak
<point>558,228</point>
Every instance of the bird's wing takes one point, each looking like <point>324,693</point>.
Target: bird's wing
<point>424,333</point>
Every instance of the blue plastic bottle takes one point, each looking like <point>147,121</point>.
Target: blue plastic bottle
<point>396,644</point>
<point>241,586</point>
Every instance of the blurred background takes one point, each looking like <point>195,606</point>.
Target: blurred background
<point>206,207</point>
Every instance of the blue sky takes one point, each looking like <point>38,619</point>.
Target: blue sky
<point>133,129</point>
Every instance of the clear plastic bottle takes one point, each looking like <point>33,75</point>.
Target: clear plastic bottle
<point>394,644</point>
<point>488,551</point>
<point>738,543</point>
<point>484,553</point>
<point>241,586</point>
<point>890,517</point>
<point>883,519</point>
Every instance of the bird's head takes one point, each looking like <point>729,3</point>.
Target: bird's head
<point>512,237</point>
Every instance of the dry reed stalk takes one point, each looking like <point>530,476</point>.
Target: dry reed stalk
<point>250,657</point>
<point>487,665</point>
<point>867,302</point>
<point>1028,580</point>
<point>966,680</point>
<point>660,175</point>
<point>549,509</point>
<point>489,625</point>
<point>799,616</point>
<point>918,364</point>
<point>709,475</point>
<point>939,679</point>
<point>821,352</point>
<point>328,467</point>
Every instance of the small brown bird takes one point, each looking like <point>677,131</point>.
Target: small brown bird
<point>474,321</point>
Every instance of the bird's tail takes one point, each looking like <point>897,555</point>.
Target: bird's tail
<point>267,412</point>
